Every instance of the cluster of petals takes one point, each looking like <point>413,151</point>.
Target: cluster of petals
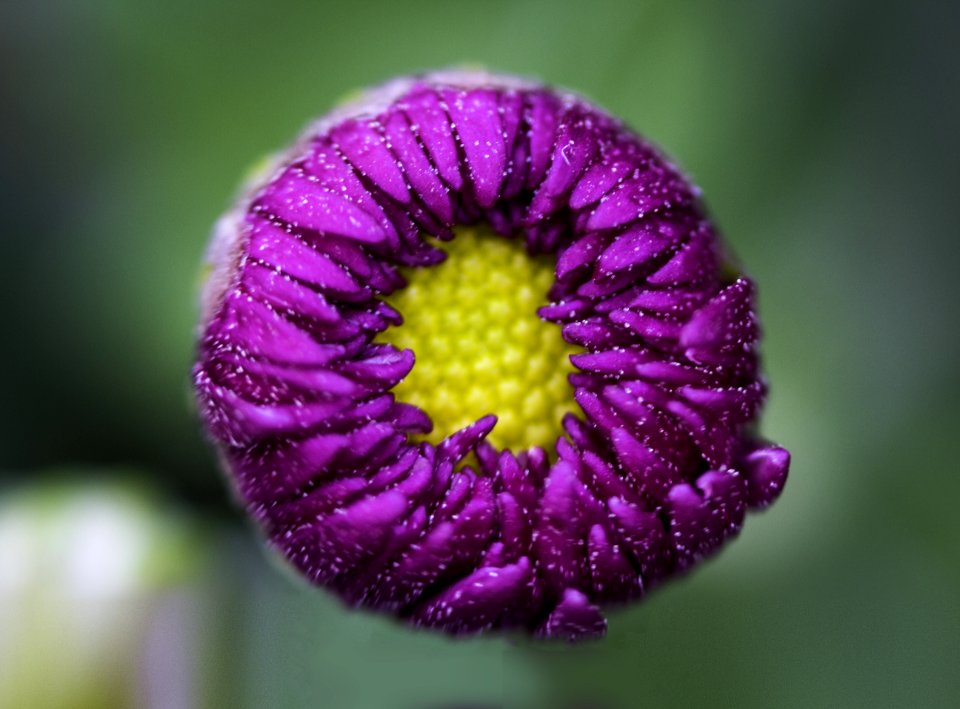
<point>657,467</point>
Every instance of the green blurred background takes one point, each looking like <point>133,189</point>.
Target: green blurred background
<point>824,135</point>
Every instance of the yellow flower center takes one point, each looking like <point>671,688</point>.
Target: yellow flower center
<point>480,346</point>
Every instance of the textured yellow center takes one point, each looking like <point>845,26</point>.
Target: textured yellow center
<point>480,346</point>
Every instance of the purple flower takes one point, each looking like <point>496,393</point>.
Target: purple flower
<point>660,459</point>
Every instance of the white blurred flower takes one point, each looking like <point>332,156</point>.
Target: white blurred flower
<point>95,610</point>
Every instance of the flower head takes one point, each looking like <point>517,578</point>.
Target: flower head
<point>395,484</point>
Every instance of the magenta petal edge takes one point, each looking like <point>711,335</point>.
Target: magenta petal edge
<point>659,463</point>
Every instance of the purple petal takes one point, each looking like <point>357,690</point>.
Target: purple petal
<point>543,117</point>
<point>574,618</point>
<point>613,579</point>
<point>430,123</point>
<point>417,168</point>
<point>366,150</point>
<point>476,119</point>
<point>766,471</point>
<point>457,445</point>
<point>298,201</point>
<point>726,323</point>
<point>639,243</point>
<point>275,247</point>
<point>478,601</point>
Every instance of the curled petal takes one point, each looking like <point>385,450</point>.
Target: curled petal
<point>574,618</point>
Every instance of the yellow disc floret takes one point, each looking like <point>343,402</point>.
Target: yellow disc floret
<point>480,346</point>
